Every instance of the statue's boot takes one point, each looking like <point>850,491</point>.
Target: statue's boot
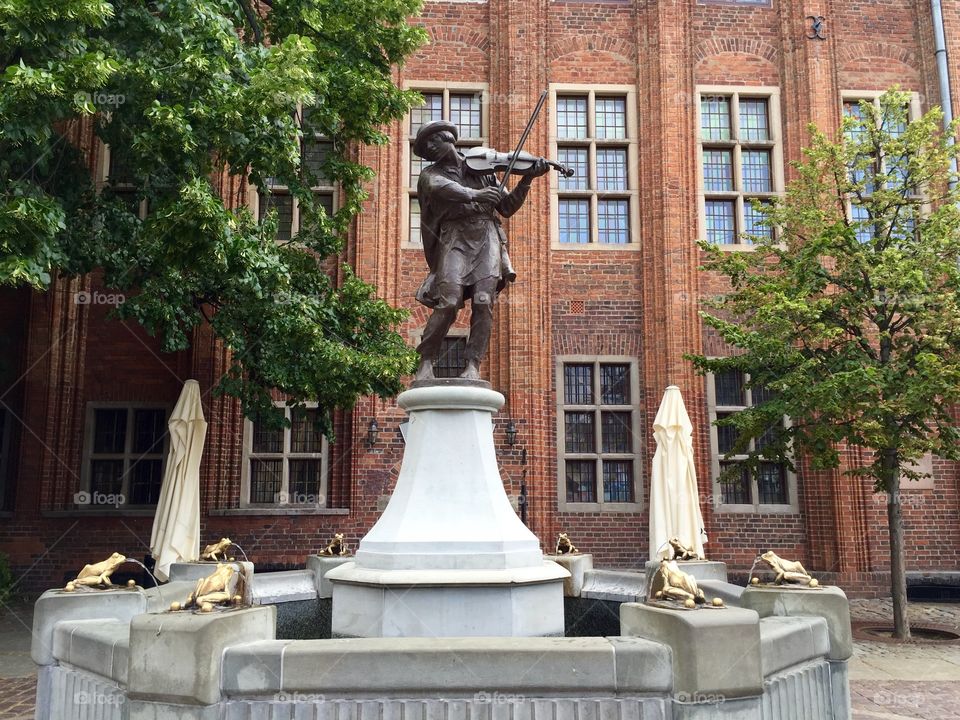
<point>472,371</point>
<point>425,371</point>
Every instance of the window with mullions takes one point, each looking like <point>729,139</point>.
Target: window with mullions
<point>124,451</point>
<point>118,179</point>
<point>452,360</point>
<point>314,150</point>
<point>737,488</point>
<point>896,167</point>
<point>465,109</point>
<point>596,138</point>
<point>740,164</point>
<point>597,419</point>
<point>286,466</point>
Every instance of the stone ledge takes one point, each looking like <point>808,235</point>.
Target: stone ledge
<point>56,605</point>
<point>789,641</point>
<point>284,586</point>
<point>715,652</point>
<point>99,646</point>
<point>827,602</point>
<point>617,585</point>
<point>432,667</point>
<point>176,657</point>
<point>321,565</point>
<point>576,565</point>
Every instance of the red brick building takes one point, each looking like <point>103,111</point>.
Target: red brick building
<point>676,113</point>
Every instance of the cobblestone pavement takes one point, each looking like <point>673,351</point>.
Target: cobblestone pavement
<point>888,682</point>
<point>915,681</point>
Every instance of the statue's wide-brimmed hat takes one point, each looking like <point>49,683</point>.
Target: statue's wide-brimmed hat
<point>432,128</point>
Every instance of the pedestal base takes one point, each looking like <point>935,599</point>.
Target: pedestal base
<point>524,602</point>
<point>449,556</point>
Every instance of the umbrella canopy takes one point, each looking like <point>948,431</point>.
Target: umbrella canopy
<point>176,526</point>
<point>674,497</point>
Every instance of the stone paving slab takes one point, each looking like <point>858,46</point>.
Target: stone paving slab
<point>903,700</point>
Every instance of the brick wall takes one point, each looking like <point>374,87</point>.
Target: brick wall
<point>637,303</point>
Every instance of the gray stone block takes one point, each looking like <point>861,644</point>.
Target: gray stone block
<point>145,710</point>
<point>431,665</point>
<point>715,652</point>
<point>789,641</point>
<point>800,693</point>
<point>576,565</point>
<point>426,667</point>
<point>840,690</point>
<point>641,665</point>
<point>618,585</point>
<point>828,602</point>
<point>176,657</point>
<point>321,565</point>
<point>56,605</point>
<point>93,645</point>
<point>728,592</point>
<point>703,707</point>
<point>284,586</point>
<point>253,667</point>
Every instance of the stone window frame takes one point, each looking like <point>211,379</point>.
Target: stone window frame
<point>775,145</point>
<point>408,193</point>
<point>792,507</point>
<point>88,455</point>
<point>638,444</point>
<point>631,141</point>
<point>285,455</point>
<point>915,112</point>
<point>331,189</point>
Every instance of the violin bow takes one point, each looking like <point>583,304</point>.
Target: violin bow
<point>523,139</point>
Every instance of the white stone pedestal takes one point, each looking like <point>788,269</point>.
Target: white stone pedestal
<point>449,556</point>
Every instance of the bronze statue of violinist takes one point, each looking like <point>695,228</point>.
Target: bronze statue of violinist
<point>465,246</point>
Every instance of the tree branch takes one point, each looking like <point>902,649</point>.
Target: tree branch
<point>251,20</point>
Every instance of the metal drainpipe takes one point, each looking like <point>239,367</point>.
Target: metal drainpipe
<point>943,74</point>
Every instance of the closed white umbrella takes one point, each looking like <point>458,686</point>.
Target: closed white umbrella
<point>176,526</point>
<point>674,497</point>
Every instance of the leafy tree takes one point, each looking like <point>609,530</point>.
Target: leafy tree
<point>849,314</point>
<point>192,94</point>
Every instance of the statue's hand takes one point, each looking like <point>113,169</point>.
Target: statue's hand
<point>490,195</point>
<point>540,167</point>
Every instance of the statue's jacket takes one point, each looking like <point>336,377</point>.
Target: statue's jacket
<point>463,241</point>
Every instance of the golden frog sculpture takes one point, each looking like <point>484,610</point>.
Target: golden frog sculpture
<point>672,583</point>
<point>564,546</point>
<point>215,589</point>
<point>682,552</point>
<point>789,571</point>
<point>336,546</point>
<point>211,552</point>
<point>98,574</point>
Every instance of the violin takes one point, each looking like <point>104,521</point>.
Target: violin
<point>485,160</point>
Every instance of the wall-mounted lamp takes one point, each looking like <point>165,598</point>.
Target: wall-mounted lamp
<point>372,431</point>
<point>511,433</point>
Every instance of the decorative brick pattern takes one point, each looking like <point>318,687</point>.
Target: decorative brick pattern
<point>642,304</point>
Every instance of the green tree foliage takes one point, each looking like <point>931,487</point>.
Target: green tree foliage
<point>188,92</point>
<point>850,314</point>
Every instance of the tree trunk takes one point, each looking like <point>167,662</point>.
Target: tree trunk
<point>898,571</point>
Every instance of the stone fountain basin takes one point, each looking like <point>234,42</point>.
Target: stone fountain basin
<point>768,656</point>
